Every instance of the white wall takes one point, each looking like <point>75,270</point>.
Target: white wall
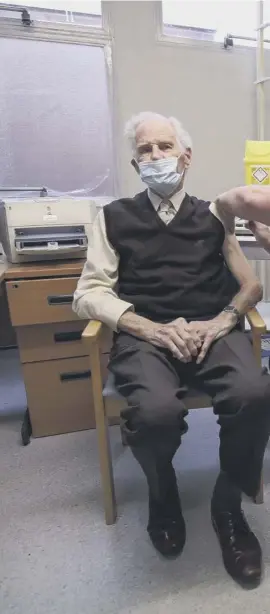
<point>210,90</point>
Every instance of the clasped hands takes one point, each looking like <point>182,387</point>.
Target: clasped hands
<point>188,340</point>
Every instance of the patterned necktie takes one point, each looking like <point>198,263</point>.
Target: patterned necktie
<point>166,211</point>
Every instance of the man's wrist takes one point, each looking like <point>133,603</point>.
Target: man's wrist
<point>229,318</point>
<point>136,325</point>
<point>231,309</point>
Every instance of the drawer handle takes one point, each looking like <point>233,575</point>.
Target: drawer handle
<point>74,335</point>
<point>74,375</point>
<point>60,299</point>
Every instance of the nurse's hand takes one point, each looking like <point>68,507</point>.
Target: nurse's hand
<point>261,233</point>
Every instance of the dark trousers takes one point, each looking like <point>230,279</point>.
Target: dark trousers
<point>154,384</point>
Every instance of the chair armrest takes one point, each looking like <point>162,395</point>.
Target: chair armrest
<point>92,331</point>
<point>258,328</point>
<point>256,322</point>
<point>90,337</point>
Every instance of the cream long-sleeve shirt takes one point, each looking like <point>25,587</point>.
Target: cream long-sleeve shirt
<point>95,298</point>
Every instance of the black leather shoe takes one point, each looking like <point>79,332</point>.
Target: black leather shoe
<point>241,551</point>
<point>166,528</point>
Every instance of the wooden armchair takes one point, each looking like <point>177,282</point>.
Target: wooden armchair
<point>108,403</point>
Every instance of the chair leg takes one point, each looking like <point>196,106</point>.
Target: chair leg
<point>260,496</point>
<point>256,342</point>
<point>104,449</point>
<point>105,459</point>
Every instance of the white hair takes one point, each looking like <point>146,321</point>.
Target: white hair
<point>183,138</point>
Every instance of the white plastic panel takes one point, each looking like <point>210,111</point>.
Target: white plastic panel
<point>50,212</point>
<point>262,270</point>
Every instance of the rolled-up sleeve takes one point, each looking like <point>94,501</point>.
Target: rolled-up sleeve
<point>226,219</point>
<point>94,297</point>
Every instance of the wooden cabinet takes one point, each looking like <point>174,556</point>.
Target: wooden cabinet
<point>55,364</point>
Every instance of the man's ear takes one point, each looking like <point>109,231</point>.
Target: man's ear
<point>187,157</point>
<point>135,165</point>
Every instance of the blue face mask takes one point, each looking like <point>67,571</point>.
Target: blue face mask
<point>161,176</point>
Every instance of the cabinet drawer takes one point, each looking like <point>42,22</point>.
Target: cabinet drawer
<point>59,340</point>
<point>41,301</point>
<point>59,395</point>
<point>51,341</point>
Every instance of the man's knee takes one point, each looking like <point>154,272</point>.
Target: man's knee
<point>251,394</point>
<point>151,409</point>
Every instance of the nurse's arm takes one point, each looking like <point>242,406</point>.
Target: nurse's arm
<point>250,202</point>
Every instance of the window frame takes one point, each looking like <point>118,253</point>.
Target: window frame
<point>163,38</point>
<point>12,27</point>
<point>75,34</point>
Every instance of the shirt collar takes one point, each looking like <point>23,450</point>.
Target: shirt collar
<point>176,199</point>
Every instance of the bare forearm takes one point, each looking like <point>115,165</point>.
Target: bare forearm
<point>135,325</point>
<point>248,202</point>
<point>247,297</point>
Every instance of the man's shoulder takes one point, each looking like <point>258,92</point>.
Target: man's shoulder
<point>200,205</point>
<point>200,201</point>
<point>205,208</point>
<point>226,219</point>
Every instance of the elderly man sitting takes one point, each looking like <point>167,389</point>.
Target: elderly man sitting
<point>183,284</point>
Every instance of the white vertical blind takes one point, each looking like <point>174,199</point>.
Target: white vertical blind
<point>262,270</point>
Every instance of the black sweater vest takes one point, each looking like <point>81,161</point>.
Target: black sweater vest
<point>173,270</point>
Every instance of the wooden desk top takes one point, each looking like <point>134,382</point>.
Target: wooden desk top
<point>40,269</point>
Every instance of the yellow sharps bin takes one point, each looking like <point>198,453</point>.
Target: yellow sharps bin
<point>257,162</point>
